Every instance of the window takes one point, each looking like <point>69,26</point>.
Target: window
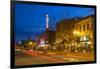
<point>87,26</point>
<point>80,28</point>
<point>83,27</point>
<point>77,28</point>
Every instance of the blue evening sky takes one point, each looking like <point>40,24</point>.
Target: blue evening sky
<point>30,19</point>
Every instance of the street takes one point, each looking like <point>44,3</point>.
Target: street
<point>26,57</point>
<point>43,36</point>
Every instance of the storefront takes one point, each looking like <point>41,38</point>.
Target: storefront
<point>85,41</point>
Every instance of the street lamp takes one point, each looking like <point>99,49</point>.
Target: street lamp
<point>76,32</point>
<point>30,43</point>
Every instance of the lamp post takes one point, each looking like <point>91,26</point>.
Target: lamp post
<point>76,33</point>
<point>30,44</point>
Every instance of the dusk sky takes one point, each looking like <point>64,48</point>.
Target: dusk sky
<point>30,19</point>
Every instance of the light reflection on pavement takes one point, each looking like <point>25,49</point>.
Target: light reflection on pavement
<point>25,57</point>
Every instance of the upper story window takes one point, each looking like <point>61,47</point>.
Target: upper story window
<point>83,27</point>
<point>80,28</point>
<point>87,26</point>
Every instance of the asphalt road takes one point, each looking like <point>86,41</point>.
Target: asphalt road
<point>32,58</point>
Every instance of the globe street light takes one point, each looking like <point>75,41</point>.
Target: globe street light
<point>76,32</point>
<point>30,43</point>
